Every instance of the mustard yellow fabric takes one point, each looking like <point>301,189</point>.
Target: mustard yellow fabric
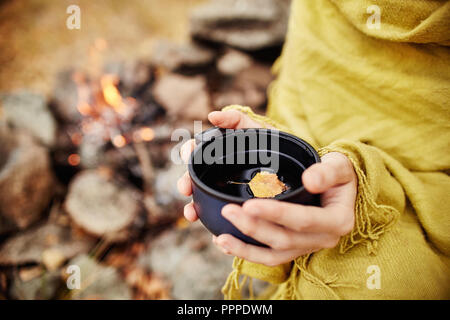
<point>381,97</point>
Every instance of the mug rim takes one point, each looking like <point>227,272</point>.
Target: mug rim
<point>226,197</point>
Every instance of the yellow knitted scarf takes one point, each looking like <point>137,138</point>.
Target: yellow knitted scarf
<point>377,89</point>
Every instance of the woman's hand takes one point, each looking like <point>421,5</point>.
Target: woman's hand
<point>290,230</point>
<point>231,119</point>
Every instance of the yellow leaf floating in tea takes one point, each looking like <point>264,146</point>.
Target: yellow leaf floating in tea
<point>266,185</point>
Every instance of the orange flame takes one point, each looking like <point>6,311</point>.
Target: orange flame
<point>144,134</point>
<point>84,108</point>
<point>76,138</point>
<point>147,134</point>
<point>74,159</point>
<point>111,93</point>
<point>119,141</point>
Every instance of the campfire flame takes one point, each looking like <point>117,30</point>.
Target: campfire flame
<point>84,108</point>
<point>143,134</point>
<point>73,159</point>
<point>111,94</point>
<point>119,141</point>
<point>106,115</point>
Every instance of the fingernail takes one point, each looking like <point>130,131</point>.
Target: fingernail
<point>224,245</point>
<point>214,113</point>
<point>228,212</point>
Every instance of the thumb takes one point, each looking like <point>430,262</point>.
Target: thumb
<point>335,169</point>
<point>232,119</point>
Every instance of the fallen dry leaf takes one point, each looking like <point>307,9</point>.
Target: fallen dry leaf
<point>181,223</point>
<point>147,285</point>
<point>52,259</point>
<point>266,185</point>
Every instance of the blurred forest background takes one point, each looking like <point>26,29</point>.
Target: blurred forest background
<point>86,118</point>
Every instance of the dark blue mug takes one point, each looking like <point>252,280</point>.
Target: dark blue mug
<point>223,156</point>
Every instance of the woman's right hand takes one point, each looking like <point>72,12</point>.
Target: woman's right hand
<point>230,119</point>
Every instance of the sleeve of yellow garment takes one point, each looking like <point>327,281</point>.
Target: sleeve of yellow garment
<point>387,189</point>
<point>282,93</point>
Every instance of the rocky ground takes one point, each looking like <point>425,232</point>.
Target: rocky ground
<point>86,178</point>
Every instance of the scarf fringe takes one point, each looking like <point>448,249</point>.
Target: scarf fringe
<point>371,219</point>
<point>232,289</point>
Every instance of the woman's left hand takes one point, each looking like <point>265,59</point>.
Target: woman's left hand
<point>291,230</point>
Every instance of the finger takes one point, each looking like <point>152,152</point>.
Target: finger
<point>273,235</point>
<point>233,246</point>
<point>298,217</point>
<point>214,240</point>
<point>184,184</point>
<point>232,119</point>
<point>335,169</point>
<point>340,196</point>
<point>190,213</point>
<point>276,236</point>
<point>260,230</point>
<point>186,150</point>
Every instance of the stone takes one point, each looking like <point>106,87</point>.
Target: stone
<point>233,62</point>
<point>190,261</point>
<point>247,88</point>
<point>166,203</point>
<point>183,96</point>
<point>29,111</point>
<point>91,152</point>
<point>42,287</point>
<point>26,180</point>
<point>174,56</point>
<point>52,259</point>
<point>65,97</point>
<point>165,185</point>
<point>30,246</point>
<point>98,281</point>
<point>100,206</point>
<point>244,24</point>
<point>6,225</point>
